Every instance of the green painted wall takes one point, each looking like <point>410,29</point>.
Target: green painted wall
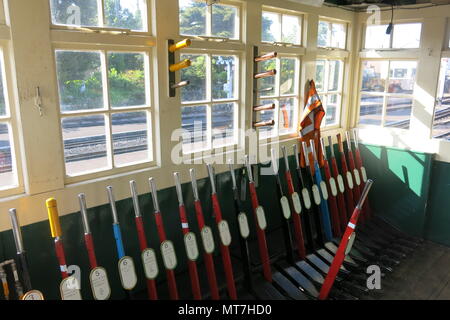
<point>399,194</point>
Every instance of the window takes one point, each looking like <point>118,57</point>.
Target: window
<point>105,109</point>
<point>281,27</point>
<point>8,169</point>
<point>124,14</point>
<point>441,125</point>
<point>210,102</point>
<point>199,19</point>
<point>403,36</point>
<point>329,75</point>
<point>387,92</point>
<point>332,34</point>
<point>283,93</point>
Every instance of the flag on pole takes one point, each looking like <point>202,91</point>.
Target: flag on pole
<point>309,125</point>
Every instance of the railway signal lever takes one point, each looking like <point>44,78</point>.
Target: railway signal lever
<point>174,67</point>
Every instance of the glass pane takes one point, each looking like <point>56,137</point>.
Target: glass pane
<point>320,75</point>
<point>75,12</point>
<point>271,27</point>
<point>3,110</point>
<point>127,14</point>
<point>269,82</point>
<point>398,112</point>
<point>291,29</point>
<point>407,35</point>
<point>130,138</point>
<point>192,17</point>
<point>8,176</point>
<point>332,106</point>
<point>79,80</point>
<point>287,76</point>
<point>370,110</point>
<point>376,37</point>
<point>334,75</point>
<point>223,77</point>
<point>126,78</point>
<point>402,75</point>
<point>441,125</point>
<point>267,115</point>
<point>196,74</point>
<point>84,144</point>
<point>223,130</point>
<point>324,34</point>
<point>224,20</point>
<point>286,112</point>
<point>338,35</point>
<point>374,75</point>
<point>194,121</point>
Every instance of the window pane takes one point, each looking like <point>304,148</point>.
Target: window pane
<point>271,27</point>
<point>286,115</point>
<point>407,35</point>
<point>194,121</point>
<point>192,17</point>
<point>224,20</point>
<point>374,75</point>
<point>324,34</point>
<point>80,80</point>
<point>338,35</point>
<point>370,109</point>
<point>126,77</point>
<point>3,111</point>
<point>398,112</point>
<point>75,12</point>
<point>269,82</point>
<point>334,75</point>
<point>223,77</point>
<point>441,125</point>
<point>8,176</point>
<point>402,75</point>
<point>291,29</point>
<point>196,74</point>
<point>127,14</point>
<point>223,124</point>
<point>331,109</point>
<point>267,115</point>
<point>84,144</point>
<point>320,75</point>
<point>287,76</point>
<point>130,138</point>
<point>376,37</point>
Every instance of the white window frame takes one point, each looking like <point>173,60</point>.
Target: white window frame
<point>281,13</point>
<point>339,92</point>
<point>11,120</point>
<point>146,13</point>
<point>384,95</point>
<point>209,36</point>
<point>330,22</point>
<point>276,97</point>
<point>209,101</point>
<point>391,37</point>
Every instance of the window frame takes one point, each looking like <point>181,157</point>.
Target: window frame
<point>384,95</point>
<point>330,22</point>
<point>11,119</point>
<point>108,111</point>
<point>209,101</point>
<point>238,24</point>
<point>391,37</point>
<point>281,12</point>
<point>146,21</point>
<point>339,92</point>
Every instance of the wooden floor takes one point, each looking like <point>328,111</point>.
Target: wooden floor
<point>425,275</point>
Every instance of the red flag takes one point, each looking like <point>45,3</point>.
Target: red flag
<point>309,126</point>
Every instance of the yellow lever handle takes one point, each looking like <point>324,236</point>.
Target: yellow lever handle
<point>180,65</point>
<point>180,45</point>
<point>53,217</point>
